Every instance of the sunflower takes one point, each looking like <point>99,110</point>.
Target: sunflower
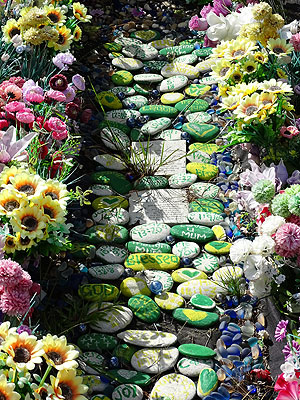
<point>279,47</point>
<point>248,108</point>
<point>27,184</point>
<point>260,57</point>
<point>24,351</point>
<point>77,34</point>
<point>267,100</point>
<point>29,221</point>
<point>281,73</point>
<point>236,75</point>
<point>218,52</point>
<point>80,12</point>
<point>23,243</point>
<point>231,102</point>
<point>56,190</point>
<point>11,201</point>
<point>42,393</point>
<point>275,86</point>
<point>5,330</point>
<point>250,66</point>
<point>10,244</point>
<point>55,14</point>
<point>8,173</point>
<point>58,353</point>
<point>221,69</point>
<point>7,389</point>
<point>10,29</point>
<point>68,385</point>
<point>52,209</point>
<point>223,90</point>
<point>240,48</point>
<point>64,39</point>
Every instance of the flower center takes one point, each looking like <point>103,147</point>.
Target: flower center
<point>22,355</point>
<point>24,241</point>
<point>54,17</point>
<point>238,53</point>
<point>66,391</point>
<point>13,32</point>
<point>250,68</point>
<point>2,396</point>
<point>275,88</point>
<point>278,50</point>
<point>49,211</point>
<point>265,102</point>
<point>55,357</point>
<point>224,71</point>
<point>11,205</point>
<point>30,223</point>
<point>52,195</point>
<point>10,242</point>
<point>61,39</point>
<point>251,110</point>
<point>27,189</point>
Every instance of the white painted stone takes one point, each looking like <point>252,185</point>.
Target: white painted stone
<point>173,387</point>
<point>187,59</point>
<point>111,254</point>
<point>201,286</point>
<point>170,134</point>
<point>207,263</point>
<point>154,361</point>
<point>205,218</point>
<point>110,162</point>
<point>146,338</point>
<point>101,190</point>
<point>198,156</point>
<point>115,139</point>
<point>107,272</point>
<point>128,64</point>
<point>186,249</point>
<point>156,125</point>
<point>144,52</point>
<point>148,78</point>
<point>173,83</point>
<point>116,318</point>
<point>177,68</point>
<point>127,391</point>
<point>204,190</point>
<point>227,273</point>
<point>138,100</point>
<point>126,41</point>
<point>200,117</point>
<point>162,276</point>
<point>128,91</point>
<point>122,115</point>
<point>150,233</point>
<point>192,366</point>
<point>205,66</point>
<point>178,181</point>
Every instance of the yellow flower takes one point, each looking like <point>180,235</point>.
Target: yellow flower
<point>231,102</point>
<point>8,173</point>
<point>281,74</point>
<point>68,386</point>
<point>219,51</point>
<point>240,48</point>
<point>236,75</point>
<point>245,89</point>
<point>221,69</point>
<point>24,351</point>
<point>55,14</point>
<point>248,108</point>
<point>10,29</point>
<point>25,243</point>
<point>33,18</point>
<point>261,11</point>
<point>250,66</point>
<point>56,190</point>
<point>279,47</point>
<point>77,34</point>
<point>5,330</point>
<point>10,201</point>
<point>33,36</point>
<point>267,100</point>
<point>58,353</point>
<point>275,86</point>
<point>49,34</point>
<point>287,106</point>
<point>7,389</point>
<point>29,221</point>
<point>223,90</point>
<point>276,21</point>
<point>64,39</point>
<point>260,57</point>
<point>27,184</point>
<point>10,245</point>
<point>80,12</point>
<point>41,393</point>
<point>52,209</point>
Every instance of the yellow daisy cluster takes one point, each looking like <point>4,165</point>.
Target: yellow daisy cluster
<point>266,27</point>
<point>50,24</point>
<point>31,204</point>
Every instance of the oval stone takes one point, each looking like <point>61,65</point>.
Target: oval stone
<point>121,116</point>
<point>111,254</point>
<point>204,190</point>
<point>219,232</point>
<point>205,66</point>
<point>116,216</point>
<point>208,148</point>
<point>110,162</point>
<point>117,181</point>
<point>182,180</point>
<point>205,218</point>
<point>208,80</point>
<point>128,376</point>
<point>145,338</point>
<point>128,64</point>
<point>193,233</point>
<point>150,233</point>
<point>201,132</point>
<point>207,382</point>
<point>191,366</point>
<point>116,318</point>
<point>127,391</point>
<point>132,286</point>
<point>196,318</point>
<point>198,286</point>
<point>122,78</point>
<point>156,126</point>
<point>171,98</point>
<point>192,105</point>
<point>98,292</point>
<point>207,205</point>
<point>91,361</point>
<point>162,43</point>
<point>109,202</point>
<point>169,301</point>
<point>174,83</point>
<point>128,91</point>
<point>187,274</point>
<point>170,134</point>
<point>177,50</point>
<point>202,302</point>
<point>107,272</point>
<point>163,277</point>
<point>143,52</point>
<point>144,308</point>
<point>218,248</point>
<point>101,190</point>
<point>146,36</point>
<point>107,233</point>
<point>199,117</point>
<point>198,156</point>
<point>137,247</point>
<point>158,110</point>
<point>206,263</point>
<point>196,90</point>
<point>115,139</point>
<point>187,59</point>
<point>203,52</point>
<point>186,249</point>
<point>196,350</point>
<point>155,361</point>
<point>226,274</point>
<point>109,100</point>
<point>175,387</point>
<point>96,342</point>
<point>177,68</point>
<point>151,182</point>
<point>138,100</point>
<point>152,78</point>
<point>159,261</point>
<point>203,171</point>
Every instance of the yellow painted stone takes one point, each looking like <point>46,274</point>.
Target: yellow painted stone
<point>195,315</point>
<point>98,291</point>
<point>219,232</point>
<point>169,301</point>
<point>177,68</point>
<point>161,44</point>
<point>133,286</point>
<point>171,98</point>
<point>208,148</point>
<point>218,247</point>
<point>202,170</point>
<point>109,202</point>
<point>109,100</point>
<point>225,274</point>
<point>199,286</point>
<point>159,261</point>
<point>187,274</point>
<point>193,91</point>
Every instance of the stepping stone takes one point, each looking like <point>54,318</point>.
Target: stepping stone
<point>97,342</point>
<point>187,274</point>
<point>206,263</point>
<point>116,319</point>
<point>207,382</point>
<point>218,248</point>
<point>203,171</point>
<point>205,218</point>
<point>146,338</point>
<point>192,366</point>
<point>138,247</point>
<point>127,392</point>
<point>128,376</point>
<point>107,272</point>
<point>122,78</point>
<point>196,351</point>
<point>155,361</point>
<point>150,233</point>
<point>144,308</point>
<point>196,90</point>
<point>158,261</point>
<point>174,83</point>
<point>201,132</point>
<point>175,387</point>
<point>194,233</point>
<point>186,249</point>
<point>202,302</point>
<point>204,190</point>
<point>198,286</point>
<point>134,285</point>
<point>169,301</point>
<point>196,318</point>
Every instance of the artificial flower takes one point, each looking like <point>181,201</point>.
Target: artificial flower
<point>58,353</point>
<point>64,39</point>
<point>248,108</point>
<point>271,224</point>
<point>10,244</point>
<point>80,12</point>
<point>260,57</point>
<point>7,389</point>
<point>55,14</point>
<point>274,86</point>
<point>240,250</point>
<point>30,221</point>
<point>263,245</point>
<point>221,69</point>
<point>279,47</point>
<point>281,330</point>
<point>238,49</point>
<point>250,66</point>
<point>197,24</point>
<point>53,210</point>
<point>68,385</point>
<point>56,190</point>
<point>77,34</point>
<point>11,29</point>
<point>10,200</point>
<point>27,184</point>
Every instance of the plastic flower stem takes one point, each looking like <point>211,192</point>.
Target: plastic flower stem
<point>45,375</point>
<point>289,340</point>
<point>30,305</point>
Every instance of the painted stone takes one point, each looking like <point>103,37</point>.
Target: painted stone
<point>127,391</point>
<point>203,52</point>
<point>196,90</point>
<point>207,205</point>
<point>146,36</point>
<point>146,338</point>
<point>116,181</point>
<point>115,139</point>
<point>186,249</point>
<point>128,91</point>
<point>196,351</point>
<point>187,59</point>
<point>93,383</point>
<point>136,135</point>
<point>198,286</point>
<point>156,126</point>
<point>114,124</point>
<point>148,78</point>
<point>182,180</point>
<point>171,98</point>
<point>169,301</point>
<point>205,66</point>
<point>198,156</point>
<point>155,66</point>
<point>204,190</point>
<point>193,233</point>
<point>177,50</point>
<point>116,319</point>
<point>139,89</point>
<point>205,218</point>
<point>83,251</point>
<point>208,148</point>
<point>107,272</point>
<point>97,342</point>
<point>109,100</point>
<point>144,308</point>
<point>199,117</point>
<point>110,162</point>
<point>109,202</point>
<point>219,232</point>
<point>196,318</point>
<point>107,234</point>
<point>173,387</point>
<point>121,116</point>
<point>187,274</point>
<point>177,68</point>
<point>202,302</point>
<point>206,263</point>
<point>128,64</point>
<point>174,83</point>
<point>122,78</point>
<point>159,261</point>
<point>162,276</point>
<point>92,360</point>
<point>98,292</point>
<point>124,352</point>
<point>116,216</point>
<point>227,273</point>
<point>111,254</point>
<point>202,170</point>
<point>132,286</point>
<point>137,247</point>
<point>157,110</point>
<point>201,132</point>
<point>208,80</point>
<point>207,382</point>
<point>100,397</point>
<point>170,134</point>
<point>144,52</point>
<point>112,46</point>
<point>218,248</point>
<point>162,43</point>
<point>155,361</point>
<point>126,41</point>
<point>192,105</point>
<point>138,100</point>
<point>129,376</point>
<point>151,182</point>
<point>101,190</point>
<point>192,366</point>
<point>150,233</point>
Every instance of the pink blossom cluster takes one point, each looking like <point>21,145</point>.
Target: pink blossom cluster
<point>287,239</point>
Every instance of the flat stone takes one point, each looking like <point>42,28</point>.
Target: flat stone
<point>192,366</point>
<point>204,190</point>
<point>122,78</point>
<point>116,216</point>
<point>202,302</point>
<point>202,133</point>
<point>98,292</point>
<point>208,148</point>
<point>152,78</point>
<point>171,98</point>
<point>199,117</point>
<point>129,376</point>
<point>169,301</point>
<point>219,232</point>
<point>128,91</point>
<point>218,248</point>
<point>162,43</point>
<point>144,52</point>
<point>151,182</point>
<point>207,205</point>
<point>157,110</point>
<point>178,181</point>
<point>203,52</point>
<point>110,162</point>
<point>111,254</point>
<point>146,36</point>
<point>208,80</point>
<point>91,362</point>
<point>207,382</point>
<point>93,383</point>
<point>144,308</point>
<point>175,387</point>
<point>202,170</point>
<point>187,274</point>
<point>170,134</point>
<point>177,68</point>
<point>198,156</point>
<point>116,319</point>
<point>146,338</point>
<point>138,100</point>
<point>82,251</point>
<point>109,100</point>
<point>159,261</point>
<point>124,352</point>
<point>162,276</point>
<point>155,361</point>
<point>177,50</point>
<point>138,247</point>
<point>127,392</point>
<point>107,272</point>
<point>101,190</point>
<point>186,249</point>
<point>126,41</point>
<point>128,64</point>
<point>198,286</point>
<point>196,318</point>
<point>196,351</point>
<point>225,274</point>
<point>196,90</point>
<point>112,46</point>
<point>97,342</point>
<point>150,233</point>
<point>121,116</point>
<point>187,59</point>
<point>104,202</point>
<point>193,233</point>
<point>155,66</point>
<point>116,181</point>
<point>205,218</point>
<point>132,286</point>
<point>155,126</point>
<point>116,124</point>
<point>193,105</point>
<point>141,90</point>
<point>205,66</point>
<point>173,83</point>
<point>107,234</point>
<point>114,139</point>
<point>206,263</point>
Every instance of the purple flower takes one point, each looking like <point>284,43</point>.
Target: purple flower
<point>297,90</point>
<point>70,94</point>
<point>79,82</point>
<point>220,7</point>
<point>137,12</point>
<point>287,350</point>
<point>280,331</point>
<point>62,60</point>
<point>2,243</point>
<point>205,10</point>
<point>24,328</point>
<point>294,179</point>
<point>197,24</point>
<point>281,172</point>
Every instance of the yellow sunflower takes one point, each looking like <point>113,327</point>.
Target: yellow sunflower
<point>250,66</point>
<point>240,48</point>
<point>236,76</point>
<point>221,69</point>
<point>25,243</point>
<point>10,201</point>
<point>52,209</point>
<point>267,100</point>
<point>248,108</point>
<point>10,245</point>
<point>64,39</point>
<point>80,12</point>
<point>281,73</point>
<point>27,184</point>
<point>7,389</point>
<point>41,393</point>
<point>58,353</point>
<point>10,29</point>
<point>55,14</point>
<point>68,385</point>
<point>260,57</point>
<point>56,190</point>
<point>77,34</point>
<point>24,351</point>
<point>30,221</point>
<point>279,47</point>
<point>5,330</point>
<point>219,51</point>
<point>274,86</point>
<point>8,173</point>
<point>231,102</point>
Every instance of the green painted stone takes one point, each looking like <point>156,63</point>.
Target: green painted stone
<point>107,234</point>
<point>170,134</point>
<point>125,352</point>
<point>199,319</point>
<point>208,80</point>
<point>128,91</point>
<point>148,78</point>
<point>159,111</point>
<point>208,148</point>
<point>100,397</point>
<point>115,139</point>
<point>218,248</point>
<point>115,55</point>
<point>155,66</point>
<point>205,218</point>
<point>151,182</point>
<point>204,52</point>
<point>206,205</point>
<point>92,360</point>
<point>156,125</point>
<point>157,261</point>
<point>113,124</point>
<point>192,105</point>
<point>138,100</point>
<point>162,43</point>
<point>137,247</point>
<point>204,190</point>
<point>187,58</point>
<point>177,50</point>
<point>98,292</point>
<point>207,382</point>
<point>107,272</point>
<point>96,342</point>
<point>195,90</point>
<point>196,351</point>
<point>117,181</point>
<point>139,89</point>
<point>194,233</point>
<point>121,116</point>
<point>162,276</point>
<point>83,250</point>
<point>136,135</point>
<point>145,36</point>
<point>206,263</point>
<point>112,47</point>
<point>133,286</point>
<point>109,100</point>
<point>191,41</point>
<point>128,64</point>
<point>109,202</point>
<point>122,78</point>
<point>128,376</point>
<point>202,302</point>
<point>144,308</point>
<point>202,170</point>
<point>199,117</point>
<point>201,132</point>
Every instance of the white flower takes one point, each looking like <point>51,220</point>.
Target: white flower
<point>288,369</point>
<point>261,287</point>
<point>279,279</point>
<point>240,250</point>
<point>253,267</point>
<point>263,245</point>
<point>271,224</point>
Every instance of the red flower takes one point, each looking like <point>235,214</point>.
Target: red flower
<point>17,80</point>
<point>58,82</point>
<point>40,121</point>
<point>3,124</point>
<point>72,110</point>
<point>43,150</point>
<point>86,115</point>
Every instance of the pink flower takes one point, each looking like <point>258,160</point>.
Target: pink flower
<point>25,117</point>
<point>56,95</point>
<point>280,331</point>
<point>56,124</point>
<point>210,43</point>
<point>220,7</point>
<point>11,272</point>
<point>78,81</point>
<point>293,131</point>
<point>60,135</point>
<point>295,40</point>
<point>12,92</point>
<point>34,98</point>
<point>198,24</point>
<point>287,350</point>
<point>291,392</point>
<point>70,94</point>
<point>205,10</point>
<point>287,239</point>
<point>14,106</point>
<point>25,282</point>
<point>15,301</point>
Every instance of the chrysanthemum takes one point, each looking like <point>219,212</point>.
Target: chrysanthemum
<point>5,330</point>
<point>10,200</point>
<point>56,190</point>
<point>58,353</point>
<point>53,210</point>
<point>287,239</point>
<point>34,18</point>
<point>10,29</point>
<point>33,36</point>
<point>263,245</point>
<point>7,389</point>
<point>240,48</point>
<point>27,184</point>
<point>10,244</point>
<point>30,222</point>
<point>271,224</point>
<point>68,386</point>
<point>280,205</point>
<point>248,108</point>
<point>77,33</point>
<point>280,331</point>
<point>260,57</point>
<point>80,12</point>
<point>231,102</point>
<point>240,250</point>
<point>55,14</point>
<point>11,272</point>
<point>294,204</point>
<point>274,86</point>
<point>221,69</point>
<point>279,47</point>
<point>64,39</point>
<point>250,66</point>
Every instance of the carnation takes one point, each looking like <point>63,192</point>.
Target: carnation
<point>263,191</point>
<point>287,239</point>
<point>280,205</point>
<point>263,245</point>
<point>11,273</point>
<point>15,302</point>
<point>292,190</point>
<point>240,250</point>
<point>294,204</point>
<point>271,224</point>
<point>197,24</point>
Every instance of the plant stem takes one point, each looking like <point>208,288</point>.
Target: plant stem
<point>45,376</point>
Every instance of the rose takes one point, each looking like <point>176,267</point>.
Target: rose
<point>198,24</point>
<point>56,124</point>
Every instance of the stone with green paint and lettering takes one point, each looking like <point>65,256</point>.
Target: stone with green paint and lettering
<point>128,91</point>
<point>204,171</point>
<point>144,308</point>
<point>199,286</point>
<point>111,254</point>
<point>94,383</point>
<point>127,63</point>
<point>122,78</point>
<point>116,216</point>
<point>151,182</point>
<point>162,276</point>
<point>155,361</point>
<point>192,366</point>
<point>133,285</point>
<point>191,41</point>
<point>83,251</point>
<point>187,274</point>
<point>146,36</point>
<point>207,382</point>
<point>155,66</point>
<point>198,156</point>
<point>203,52</point>
<point>186,249</point>
<point>151,78</point>
<point>206,263</point>
<point>100,397</point>
<point>207,205</point>
<point>92,362</point>
<point>170,134</point>
<point>129,376</point>
<point>116,318</point>
<point>124,352</point>
<point>182,180</point>
<point>195,90</point>
<point>138,247</point>
<point>136,135</point>
<point>173,387</point>
<point>158,110</point>
<point>196,318</point>
<point>107,234</point>
<point>199,117</point>
<point>187,59</point>
<point>192,105</point>
<point>208,148</point>
<point>128,391</point>
<point>205,66</point>
<point>109,100</point>
<point>205,218</point>
<point>201,132</point>
<point>173,83</point>
<point>156,125</point>
<point>150,233</point>
<point>117,181</point>
<point>112,46</point>
<point>125,41</point>
<point>227,273</point>
<point>218,248</point>
<point>177,50</point>
<point>110,162</point>
<point>162,43</point>
<point>114,139</point>
<point>101,190</point>
<point>138,100</point>
<point>109,202</point>
<point>176,68</point>
<point>193,233</point>
<point>169,301</point>
<point>146,338</point>
<point>97,342</point>
<point>204,190</point>
<point>121,116</point>
<point>208,80</point>
<point>107,272</point>
<point>114,124</point>
<point>141,90</point>
<point>202,302</point>
<point>157,261</point>
<point>171,98</point>
<point>141,51</point>
<point>98,292</point>
<point>196,351</point>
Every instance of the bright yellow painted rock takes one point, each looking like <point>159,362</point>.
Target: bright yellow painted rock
<point>169,301</point>
<point>159,261</point>
<point>133,286</point>
<point>171,98</point>
<point>202,170</point>
<point>208,148</point>
<point>187,274</point>
<point>219,232</point>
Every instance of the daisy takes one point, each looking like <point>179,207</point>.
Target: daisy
<point>279,47</point>
<point>221,69</point>
<point>68,386</point>
<point>10,29</point>
<point>231,102</point>
<point>275,86</point>
<point>260,57</point>
<point>80,12</point>
<point>248,108</point>
<point>250,66</point>
<point>56,190</point>
<point>239,49</point>
<point>58,353</point>
<point>64,39</point>
<point>55,14</point>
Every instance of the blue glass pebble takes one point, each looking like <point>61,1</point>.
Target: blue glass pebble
<point>170,239</point>
<point>210,111</point>
<point>222,351</point>
<point>252,341</point>
<point>259,326</point>
<point>223,325</point>
<point>197,46</point>
<point>224,392</point>
<point>231,313</point>
<point>238,364</point>
<point>245,352</point>
<point>246,298</point>
<point>196,81</point>
<point>214,396</point>
<point>252,389</point>
<point>235,299</point>
<point>237,339</point>
<point>236,396</point>
<point>130,122</point>
<point>233,351</point>
<point>227,371</point>
<point>248,360</point>
<point>258,366</point>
